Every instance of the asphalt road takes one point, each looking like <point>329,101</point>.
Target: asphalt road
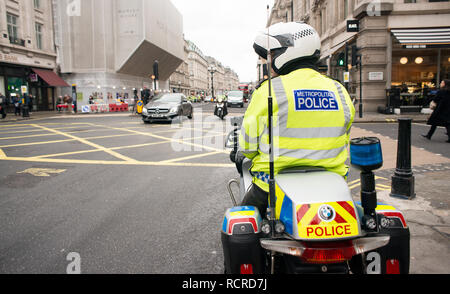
<point>119,215</point>
<point>127,197</point>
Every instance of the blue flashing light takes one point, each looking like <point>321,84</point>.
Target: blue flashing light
<point>366,153</point>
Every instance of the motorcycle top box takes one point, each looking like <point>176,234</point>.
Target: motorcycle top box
<point>316,211</point>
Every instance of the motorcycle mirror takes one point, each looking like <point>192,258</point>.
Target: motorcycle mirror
<point>229,143</point>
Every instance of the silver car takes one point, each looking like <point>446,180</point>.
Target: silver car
<point>167,107</point>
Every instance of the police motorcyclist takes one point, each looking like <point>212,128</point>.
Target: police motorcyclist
<point>221,100</point>
<point>313,114</point>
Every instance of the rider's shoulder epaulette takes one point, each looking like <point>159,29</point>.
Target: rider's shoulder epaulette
<point>260,84</point>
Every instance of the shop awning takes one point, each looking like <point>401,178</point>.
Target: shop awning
<point>50,78</point>
<point>431,36</point>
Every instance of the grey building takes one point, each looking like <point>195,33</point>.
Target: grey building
<point>107,47</point>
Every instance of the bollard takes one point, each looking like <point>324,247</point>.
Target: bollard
<point>403,179</point>
<point>25,111</point>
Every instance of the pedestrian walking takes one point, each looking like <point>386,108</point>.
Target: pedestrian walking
<point>59,103</point>
<point>3,105</point>
<point>441,114</point>
<point>30,103</point>
<point>70,104</point>
<point>16,101</point>
<point>67,102</point>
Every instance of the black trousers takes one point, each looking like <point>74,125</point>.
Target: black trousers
<point>433,129</point>
<point>257,197</point>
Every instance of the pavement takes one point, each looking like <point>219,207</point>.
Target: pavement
<point>427,214</point>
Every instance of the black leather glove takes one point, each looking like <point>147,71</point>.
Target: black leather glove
<point>233,156</point>
<point>239,159</point>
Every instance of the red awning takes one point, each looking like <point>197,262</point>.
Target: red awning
<point>50,78</point>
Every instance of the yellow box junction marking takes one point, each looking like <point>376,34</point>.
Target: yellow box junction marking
<point>98,148</point>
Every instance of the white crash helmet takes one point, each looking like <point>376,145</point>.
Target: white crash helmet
<point>289,42</point>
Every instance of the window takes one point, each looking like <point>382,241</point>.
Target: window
<point>38,27</point>
<point>12,26</point>
<point>37,4</point>
<point>410,1</point>
<point>345,9</point>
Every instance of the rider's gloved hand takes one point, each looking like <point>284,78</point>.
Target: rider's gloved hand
<point>239,159</point>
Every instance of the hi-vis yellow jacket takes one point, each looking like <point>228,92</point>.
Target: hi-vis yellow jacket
<point>313,115</point>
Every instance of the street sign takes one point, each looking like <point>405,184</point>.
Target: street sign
<point>346,77</point>
<point>140,106</point>
<point>85,109</point>
<point>353,26</point>
<point>376,76</point>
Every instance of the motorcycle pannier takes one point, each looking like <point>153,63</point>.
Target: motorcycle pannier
<point>240,241</point>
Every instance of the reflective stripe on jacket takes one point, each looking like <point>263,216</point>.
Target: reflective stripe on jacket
<point>313,115</point>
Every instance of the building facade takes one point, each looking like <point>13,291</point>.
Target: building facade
<point>231,81</point>
<point>27,52</point>
<point>107,48</point>
<point>180,81</point>
<point>198,70</point>
<point>405,44</point>
<point>193,77</point>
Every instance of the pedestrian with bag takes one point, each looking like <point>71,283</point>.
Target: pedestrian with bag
<point>2,105</point>
<point>16,101</point>
<point>441,114</point>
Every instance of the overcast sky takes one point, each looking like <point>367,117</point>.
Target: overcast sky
<point>225,30</point>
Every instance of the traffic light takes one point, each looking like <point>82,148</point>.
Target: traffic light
<point>341,59</point>
<point>156,69</point>
<point>356,57</point>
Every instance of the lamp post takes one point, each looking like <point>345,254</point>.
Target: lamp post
<point>212,70</point>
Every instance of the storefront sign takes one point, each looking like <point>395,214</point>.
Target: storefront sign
<point>376,76</point>
<point>25,60</point>
<point>33,78</point>
<point>352,26</point>
<point>8,58</point>
<point>24,89</point>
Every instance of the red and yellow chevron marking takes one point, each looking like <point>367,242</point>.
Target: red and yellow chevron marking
<point>311,226</point>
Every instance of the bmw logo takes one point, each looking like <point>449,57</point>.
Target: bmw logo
<point>326,213</point>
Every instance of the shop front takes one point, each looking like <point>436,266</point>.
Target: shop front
<point>420,61</point>
<point>40,83</point>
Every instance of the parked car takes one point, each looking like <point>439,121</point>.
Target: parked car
<point>235,98</point>
<point>167,107</point>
